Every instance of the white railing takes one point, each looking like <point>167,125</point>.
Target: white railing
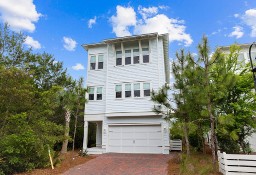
<point>234,164</point>
<point>175,145</point>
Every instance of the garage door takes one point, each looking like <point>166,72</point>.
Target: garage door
<point>135,139</point>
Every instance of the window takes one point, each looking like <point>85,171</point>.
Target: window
<point>145,53</point>
<point>136,56</point>
<point>118,58</point>
<point>91,93</point>
<point>100,61</point>
<point>136,88</point>
<point>93,62</point>
<point>146,88</point>
<point>99,93</point>
<point>128,90</point>
<point>118,91</point>
<point>127,57</point>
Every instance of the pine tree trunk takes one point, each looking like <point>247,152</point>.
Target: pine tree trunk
<point>64,148</point>
<point>213,145</point>
<point>185,130</point>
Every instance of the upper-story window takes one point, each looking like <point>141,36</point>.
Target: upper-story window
<point>99,93</point>
<point>145,54</point>
<point>136,89</point>
<point>146,89</point>
<point>136,56</point>
<point>93,62</point>
<point>128,90</point>
<point>118,58</point>
<point>128,57</point>
<point>118,91</point>
<point>100,61</point>
<point>95,93</point>
<point>91,93</point>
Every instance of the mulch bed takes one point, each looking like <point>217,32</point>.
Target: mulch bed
<point>174,165</point>
<point>69,160</point>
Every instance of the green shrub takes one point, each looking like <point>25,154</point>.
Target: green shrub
<point>22,148</point>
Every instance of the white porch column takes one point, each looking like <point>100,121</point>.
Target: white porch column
<point>99,134</point>
<point>85,141</point>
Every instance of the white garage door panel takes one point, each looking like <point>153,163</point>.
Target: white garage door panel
<point>135,139</point>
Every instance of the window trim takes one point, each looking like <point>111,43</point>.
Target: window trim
<point>146,89</point>
<point>90,87</point>
<point>98,93</point>
<point>119,91</point>
<point>128,91</point>
<point>95,93</point>
<point>140,48</point>
<point>96,61</point>
<point>137,90</point>
<point>121,58</point>
<point>128,57</point>
<point>142,61</point>
<point>141,83</point>
<point>100,54</point>
<point>90,57</point>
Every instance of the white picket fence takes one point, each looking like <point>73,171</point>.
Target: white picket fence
<point>234,164</point>
<point>175,145</point>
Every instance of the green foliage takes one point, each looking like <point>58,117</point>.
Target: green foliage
<point>32,92</point>
<point>22,148</point>
<point>212,93</point>
<point>237,121</point>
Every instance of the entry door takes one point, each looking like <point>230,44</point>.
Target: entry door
<point>135,139</point>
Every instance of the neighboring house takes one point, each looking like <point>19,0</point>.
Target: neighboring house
<point>121,74</point>
<point>243,57</point>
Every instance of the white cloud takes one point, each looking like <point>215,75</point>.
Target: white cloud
<point>125,17</point>
<point>92,22</point>
<point>249,19</point>
<point>29,41</point>
<point>147,12</point>
<point>150,22</point>
<point>163,24</point>
<point>20,15</point>
<point>163,7</point>
<point>236,15</point>
<point>78,66</point>
<point>238,32</point>
<point>69,43</point>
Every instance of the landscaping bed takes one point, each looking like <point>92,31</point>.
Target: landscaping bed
<point>69,160</point>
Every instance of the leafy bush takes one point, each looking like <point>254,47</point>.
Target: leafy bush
<point>22,149</point>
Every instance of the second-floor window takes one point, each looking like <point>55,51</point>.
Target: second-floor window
<point>128,57</point>
<point>118,91</point>
<point>118,58</point>
<point>128,90</point>
<point>100,61</point>
<point>93,62</point>
<point>91,93</point>
<point>136,56</point>
<point>136,89</point>
<point>99,93</point>
<point>146,89</point>
<point>145,54</point>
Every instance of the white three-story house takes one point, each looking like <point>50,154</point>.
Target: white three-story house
<point>121,74</point>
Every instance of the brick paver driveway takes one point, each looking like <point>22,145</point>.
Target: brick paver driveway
<point>123,164</point>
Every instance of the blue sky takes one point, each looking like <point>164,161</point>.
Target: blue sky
<point>59,27</point>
